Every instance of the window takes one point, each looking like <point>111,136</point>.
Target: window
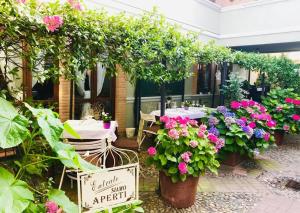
<point>205,78</point>
<point>149,89</point>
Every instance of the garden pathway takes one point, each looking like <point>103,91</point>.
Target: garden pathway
<point>253,187</point>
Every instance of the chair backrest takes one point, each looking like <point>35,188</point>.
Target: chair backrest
<point>144,118</point>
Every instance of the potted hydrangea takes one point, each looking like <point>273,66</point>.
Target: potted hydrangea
<point>244,133</point>
<point>184,150</point>
<point>283,105</point>
<point>106,119</point>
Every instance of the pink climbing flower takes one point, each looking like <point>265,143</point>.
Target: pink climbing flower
<point>235,105</point>
<point>182,167</point>
<point>173,133</point>
<point>51,207</point>
<point>186,156</point>
<point>151,151</point>
<point>53,22</point>
<point>296,117</point>
<point>193,144</point>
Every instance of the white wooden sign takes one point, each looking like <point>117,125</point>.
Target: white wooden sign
<point>108,188</point>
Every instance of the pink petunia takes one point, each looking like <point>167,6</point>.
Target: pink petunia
<point>173,133</point>
<point>271,124</point>
<point>193,144</point>
<point>51,207</point>
<point>252,125</point>
<point>151,151</point>
<point>296,117</point>
<point>235,105</point>
<point>182,167</point>
<point>53,22</point>
<point>289,100</point>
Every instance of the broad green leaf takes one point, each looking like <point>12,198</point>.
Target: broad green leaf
<point>171,158</point>
<point>14,194</point>
<point>163,160</point>
<point>62,201</point>
<point>70,130</point>
<point>172,170</point>
<point>13,127</point>
<point>240,142</point>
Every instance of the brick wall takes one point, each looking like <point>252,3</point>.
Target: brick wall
<point>64,99</point>
<point>120,100</point>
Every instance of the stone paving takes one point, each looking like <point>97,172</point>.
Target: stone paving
<point>253,187</point>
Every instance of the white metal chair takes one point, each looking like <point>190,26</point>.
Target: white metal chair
<point>145,120</point>
<point>91,151</point>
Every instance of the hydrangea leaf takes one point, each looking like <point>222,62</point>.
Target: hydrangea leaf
<point>14,194</point>
<point>13,127</point>
<point>62,201</point>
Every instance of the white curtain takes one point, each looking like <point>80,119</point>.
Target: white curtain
<point>101,71</point>
<point>80,83</point>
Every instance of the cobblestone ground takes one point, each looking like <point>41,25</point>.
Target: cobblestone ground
<point>257,186</point>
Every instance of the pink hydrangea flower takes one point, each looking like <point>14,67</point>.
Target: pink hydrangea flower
<point>267,136</point>
<point>182,167</point>
<point>251,103</point>
<point>171,124</point>
<point>75,4</point>
<point>271,123</point>
<point>183,121</point>
<point>164,119</point>
<point>173,133</point>
<point>212,138</point>
<point>249,110</point>
<point>279,108</point>
<point>201,134</point>
<point>51,207</point>
<point>21,1</point>
<point>296,117</point>
<point>235,105</point>
<point>262,109</point>
<point>202,127</point>
<point>53,22</point>
<point>244,103</point>
<point>296,102</point>
<point>186,156</point>
<point>220,143</point>
<point>184,132</point>
<point>244,119</point>
<point>289,100</point>
<point>193,122</point>
<point>193,144</point>
<point>252,125</point>
<point>286,127</point>
<point>151,151</point>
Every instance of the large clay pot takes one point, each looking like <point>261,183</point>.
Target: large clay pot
<point>233,159</point>
<point>179,194</point>
<point>279,135</point>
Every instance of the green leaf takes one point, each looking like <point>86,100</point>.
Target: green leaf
<point>172,170</point>
<point>13,127</point>
<point>200,164</point>
<point>62,200</point>
<point>163,160</point>
<point>139,209</point>
<point>240,142</point>
<point>182,177</point>
<point>70,130</point>
<point>14,194</point>
<point>171,158</point>
<point>190,170</point>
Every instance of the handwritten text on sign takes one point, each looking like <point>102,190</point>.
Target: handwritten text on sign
<point>109,188</point>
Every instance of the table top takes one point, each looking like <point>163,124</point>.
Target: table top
<point>191,112</point>
<point>92,129</point>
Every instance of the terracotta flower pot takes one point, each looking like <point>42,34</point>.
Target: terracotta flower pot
<point>106,125</point>
<point>233,159</point>
<point>179,194</point>
<point>279,135</point>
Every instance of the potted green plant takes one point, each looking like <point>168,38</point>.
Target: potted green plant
<point>283,104</point>
<point>106,119</point>
<point>186,105</point>
<point>184,150</point>
<point>245,134</point>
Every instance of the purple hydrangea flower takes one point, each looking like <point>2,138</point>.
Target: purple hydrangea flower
<point>222,109</point>
<point>214,130</point>
<point>229,121</point>
<point>240,122</point>
<point>213,121</point>
<point>248,130</point>
<point>229,114</point>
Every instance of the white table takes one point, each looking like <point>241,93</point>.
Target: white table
<point>92,129</point>
<point>192,112</point>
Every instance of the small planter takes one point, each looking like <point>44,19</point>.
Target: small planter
<point>180,194</point>
<point>186,107</point>
<point>106,125</point>
<point>233,159</point>
<point>279,135</point>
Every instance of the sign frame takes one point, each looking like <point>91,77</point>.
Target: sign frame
<point>81,175</point>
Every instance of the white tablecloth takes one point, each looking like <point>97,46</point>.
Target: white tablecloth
<point>192,112</point>
<point>92,129</point>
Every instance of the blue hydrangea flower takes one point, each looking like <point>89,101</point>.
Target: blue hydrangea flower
<point>248,130</point>
<point>214,130</point>
<point>259,133</point>
<point>229,114</point>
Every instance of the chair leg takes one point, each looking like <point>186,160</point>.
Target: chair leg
<point>62,178</point>
<point>72,184</point>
